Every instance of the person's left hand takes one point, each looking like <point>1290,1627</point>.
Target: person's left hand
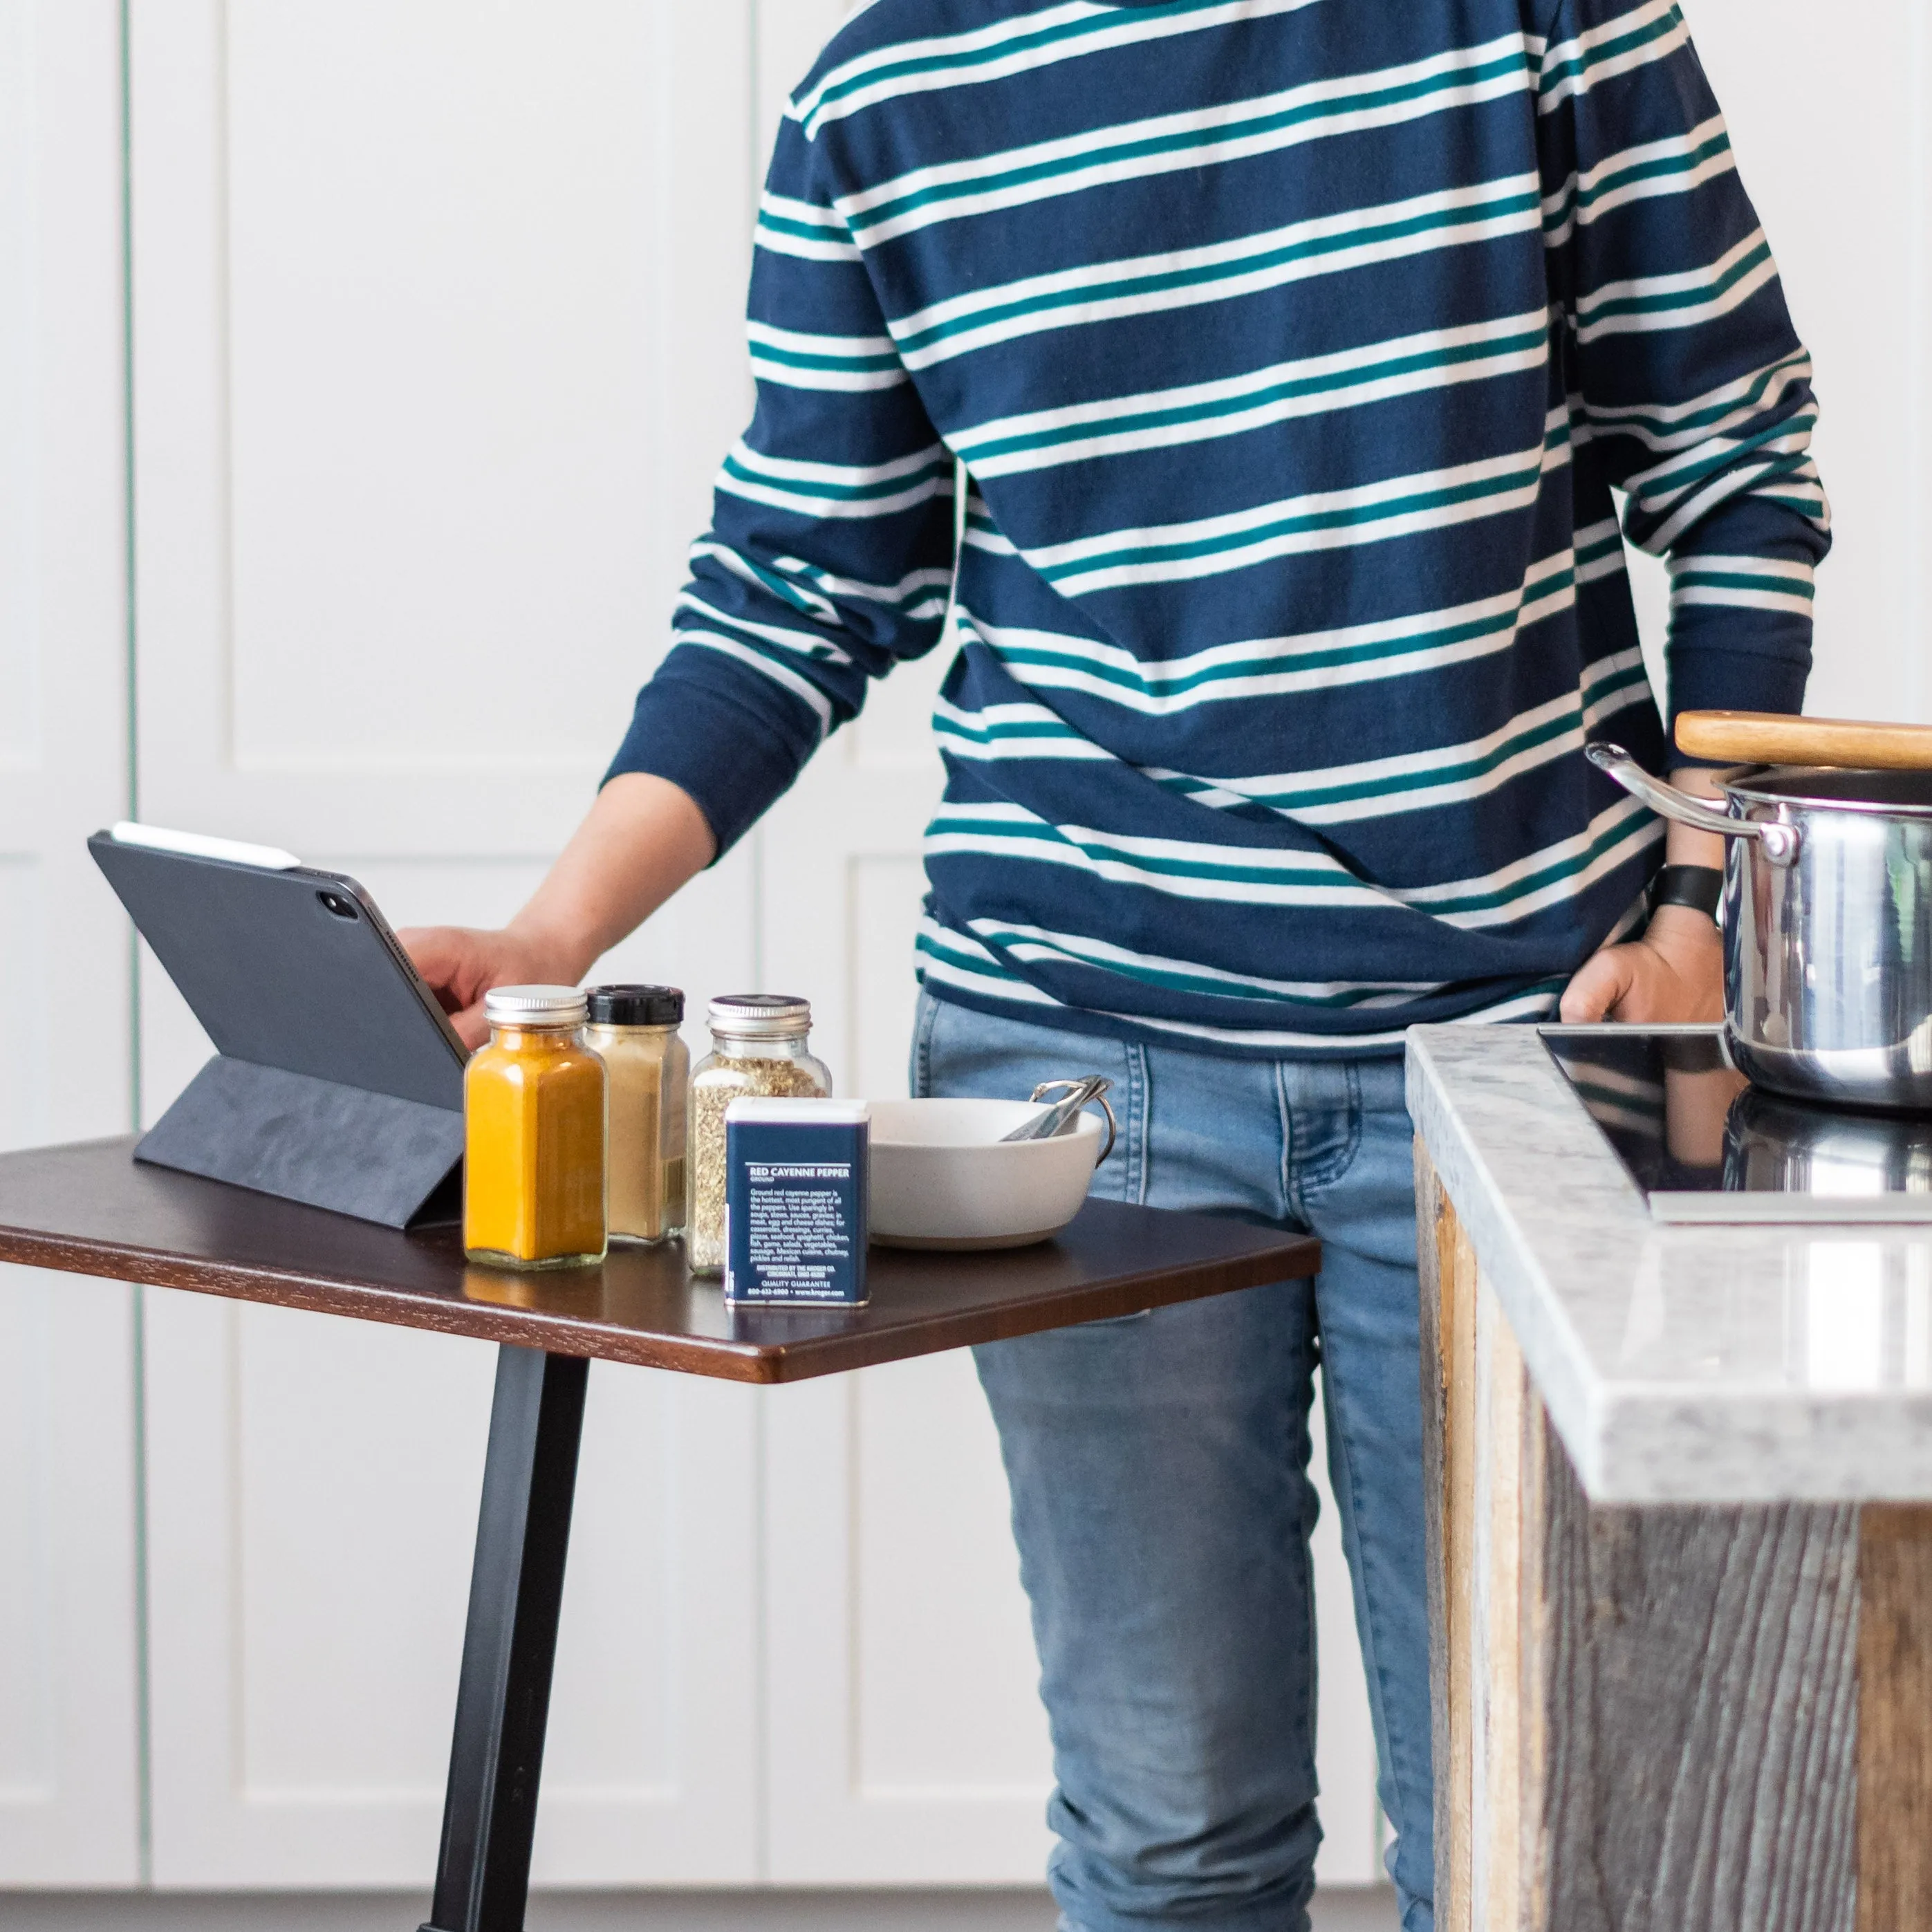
<point>1673,975</point>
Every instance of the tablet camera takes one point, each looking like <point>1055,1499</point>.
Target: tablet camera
<point>335,903</point>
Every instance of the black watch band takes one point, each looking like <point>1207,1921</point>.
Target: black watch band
<point>1699,887</point>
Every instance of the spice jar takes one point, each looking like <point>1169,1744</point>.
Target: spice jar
<point>633,1030</point>
<point>759,1047</point>
<point>533,1102</point>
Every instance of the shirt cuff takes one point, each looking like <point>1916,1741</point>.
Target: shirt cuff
<point>1740,631</point>
<point>728,758</point>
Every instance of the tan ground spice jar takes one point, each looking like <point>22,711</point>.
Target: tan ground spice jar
<point>634,1030</point>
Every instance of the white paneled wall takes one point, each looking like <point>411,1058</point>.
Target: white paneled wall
<point>69,1725</point>
<point>435,349</point>
<point>1830,109</point>
<point>433,359</point>
<point>1828,106</point>
<point>314,1487</point>
<point>435,309</point>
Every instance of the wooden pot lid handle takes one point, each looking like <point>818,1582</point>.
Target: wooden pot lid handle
<point>1762,738</point>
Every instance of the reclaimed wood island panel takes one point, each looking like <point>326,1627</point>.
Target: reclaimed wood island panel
<point>1681,1589</point>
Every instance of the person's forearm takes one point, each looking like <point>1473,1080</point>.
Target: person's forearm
<point>1685,844</point>
<point>642,840</point>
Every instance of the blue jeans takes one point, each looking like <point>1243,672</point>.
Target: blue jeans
<point>1161,1499</point>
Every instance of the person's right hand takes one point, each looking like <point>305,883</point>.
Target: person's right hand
<point>642,839</point>
<point>461,964</point>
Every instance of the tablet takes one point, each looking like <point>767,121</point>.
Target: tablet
<point>317,1016</point>
<point>285,965</point>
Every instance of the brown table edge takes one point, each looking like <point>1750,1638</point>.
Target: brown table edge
<point>1299,1257</point>
<point>798,1358</point>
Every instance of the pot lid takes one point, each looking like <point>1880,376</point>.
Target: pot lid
<point>1829,785</point>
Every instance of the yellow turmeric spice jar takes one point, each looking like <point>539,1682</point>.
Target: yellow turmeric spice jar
<point>533,1102</point>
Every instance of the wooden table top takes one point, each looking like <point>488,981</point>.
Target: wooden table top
<point>91,1209</point>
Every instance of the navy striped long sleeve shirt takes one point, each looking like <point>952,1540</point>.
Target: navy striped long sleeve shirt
<point>1302,357</point>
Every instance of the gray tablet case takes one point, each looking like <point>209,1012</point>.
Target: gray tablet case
<point>336,1080</point>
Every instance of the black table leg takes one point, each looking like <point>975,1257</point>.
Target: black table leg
<point>516,1589</point>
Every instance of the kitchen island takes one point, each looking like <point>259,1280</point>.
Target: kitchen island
<point>1681,1528</point>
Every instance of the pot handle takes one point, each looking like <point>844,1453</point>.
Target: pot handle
<point>1777,840</point>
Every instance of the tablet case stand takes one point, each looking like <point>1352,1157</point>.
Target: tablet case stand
<point>346,1148</point>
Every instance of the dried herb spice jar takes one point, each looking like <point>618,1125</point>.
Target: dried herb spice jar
<point>760,1048</point>
<point>634,1031</point>
<point>533,1107</point>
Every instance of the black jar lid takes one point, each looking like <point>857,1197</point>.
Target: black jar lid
<point>636,1005</point>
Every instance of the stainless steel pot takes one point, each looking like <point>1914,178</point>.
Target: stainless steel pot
<point>1827,924</point>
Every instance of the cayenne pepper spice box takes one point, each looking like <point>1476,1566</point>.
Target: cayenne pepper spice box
<point>796,1202</point>
<point>760,1049</point>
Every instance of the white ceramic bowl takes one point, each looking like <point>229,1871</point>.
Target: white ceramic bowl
<point>942,1177</point>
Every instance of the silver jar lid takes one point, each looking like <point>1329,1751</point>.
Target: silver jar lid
<point>760,1015</point>
<point>534,1007</point>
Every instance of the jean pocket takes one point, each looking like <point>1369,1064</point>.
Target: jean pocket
<point>919,1068</point>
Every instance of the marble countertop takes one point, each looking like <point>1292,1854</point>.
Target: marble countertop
<point>1680,1364</point>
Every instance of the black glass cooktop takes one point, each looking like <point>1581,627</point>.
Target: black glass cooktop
<point>1703,1144</point>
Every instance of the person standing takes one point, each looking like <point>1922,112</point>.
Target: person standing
<point>1296,354</point>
